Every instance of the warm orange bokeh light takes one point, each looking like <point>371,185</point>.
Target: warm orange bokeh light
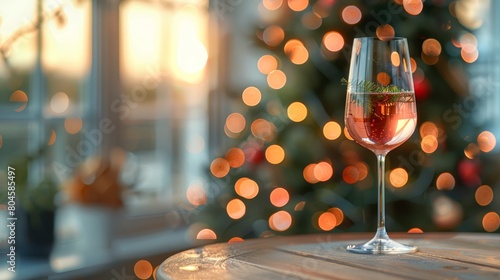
<point>413,7</point>
<point>468,42</point>
<point>491,222</point>
<point>297,111</point>
<point>333,41</point>
<point>298,5</point>
<point>59,102</point>
<point>206,234</point>
<point>445,182</point>
<point>362,170</point>
<point>431,47</point>
<point>413,64</point>
<point>219,167</point>
<point>323,171</point>
<point>486,141</point>
<point>143,269</point>
<point>309,174</point>
<point>383,78</point>
<point>429,144</point>
<point>350,174</point>
<point>251,96</point>
<point>195,194</point>
<point>272,4</point>
<point>332,130</point>
<point>484,195</point>
<point>236,209</point>
<point>299,55</point>
<point>235,157</point>
<point>398,177</point>
<point>347,135</point>
<point>311,20</point>
<point>280,221</point>
<point>235,122</point>
<point>351,14</point>
<point>428,128</point>
<point>52,138</point>
<point>469,57</point>
<point>73,125</point>
<point>276,79</point>
<point>21,97</point>
<point>299,206</point>
<point>267,63</point>
<point>279,197</point>
<point>263,130</point>
<point>273,35</point>
<point>385,32</point>
<point>327,221</point>
<point>415,230</point>
<point>235,240</point>
<point>246,188</point>
<point>395,59</point>
<point>275,154</point>
<point>471,151</point>
<point>339,215</point>
<point>292,44</point>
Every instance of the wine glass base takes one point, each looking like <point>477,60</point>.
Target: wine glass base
<point>381,246</point>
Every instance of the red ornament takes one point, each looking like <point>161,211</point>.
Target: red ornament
<point>422,89</point>
<point>254,153</point>
<point>469,170</point>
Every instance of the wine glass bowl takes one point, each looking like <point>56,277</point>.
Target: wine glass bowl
<point>380,115</point>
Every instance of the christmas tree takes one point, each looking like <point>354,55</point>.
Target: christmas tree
<point>291,168</point>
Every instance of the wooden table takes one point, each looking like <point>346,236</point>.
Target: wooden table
<point>440,256</point>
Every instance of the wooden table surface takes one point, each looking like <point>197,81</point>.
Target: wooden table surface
<point>440,256</point>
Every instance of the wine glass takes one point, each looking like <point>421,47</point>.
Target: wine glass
<point>380,115</point>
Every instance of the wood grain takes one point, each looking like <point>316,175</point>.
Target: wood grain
<point>440,256</point>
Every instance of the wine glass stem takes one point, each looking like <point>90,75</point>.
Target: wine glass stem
<point>381,232</point>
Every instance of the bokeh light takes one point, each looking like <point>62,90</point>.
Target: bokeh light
<point>338,213</point>
<point>308,174</point>
<point>398,177</point>
<point>273,35</point>
<point>280,221</point>
<point>383,78</point>
<point>351,14</point>
<point>428,128</point>
<point>236,209</point>
<point>195,194</point>
<point>484,195</point>
<point>429,144</point>
<point>332,130</point>
<point>469,57</point>
<point>299,206</point>
<point>327,221</point>
<point>311,20</point>
<point>297,111</point>
<point>59,102</point>
<point>323,171</point>
<point>298,5</point>
<point>52,138</point>
<point>276,79</point>
<point>251,96</point>
<point>73,125</point>
<point>385,32</point>
<point>235,157</point>
<point>431,47</point>
<point>235,123</point>
<point>143,269</point>
<point>486,141</point>
<point>468,42</point>
<point>235,239</point>
<point>263,130</point>
<point>362,170</point>
<point>445,182</point>
<point>395,59</point>
<point>447,214</point>
<point>333,41</point>
<point>279,197</point>
<point>415,230</point>
<point>471,151</point>
<point>219,167</point>
<point>291,45</point>
<point>491,222</point>
<point>275,154</point>
<point>267,63</point>
<point>350,174</point>
<point>298,55</point>
<point>413,7</point>
<point>206,234</point>
<point>246,188</point>
<point>413,64</point>
<point>347,135</point>
<point>20,97</point>
<point>272,4</point>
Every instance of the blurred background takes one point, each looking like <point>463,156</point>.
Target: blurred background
<point>133,129</point>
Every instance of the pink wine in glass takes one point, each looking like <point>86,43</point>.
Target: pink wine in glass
<point>381,121</point>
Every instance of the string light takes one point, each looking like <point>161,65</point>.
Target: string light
<point>279,197</point>
<point>339,215</point>
<point>350,174</point>
<point>251,96</point>
<point>415,230</point>
<point>333,41</point>
<point>267,63</point>
<point>486,141</point>
<point>327,221</point>
<point>19,96</point>
<point>73,125</point>
<point>398,177</point>
<point>219,167</point>
<point>491,222</point>
<point>445,182</point>
<point>297,111</point>
<point>351,14</point>
<point>275,154</point>
<point>413,7</point>
<point>484,195</point>
<point>276,79</point>
<point>235,157</point>
<point>298,5</point>
<point>143,269</point>
<point>246,188</point>
<point>206,234</point>
<point>236,209</point>
<point>332,130</point>
<point>280,221</point>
